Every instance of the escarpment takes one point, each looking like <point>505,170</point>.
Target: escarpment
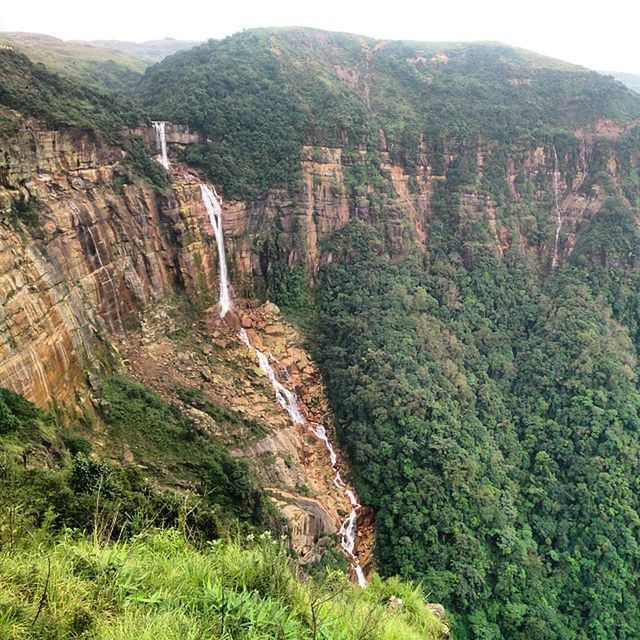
<point>96,260</point>
<point>95,245</point>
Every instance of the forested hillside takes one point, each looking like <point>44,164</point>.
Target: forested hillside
<point>30,89</point>
<point>262,94</point>
<point>482,362</point>
<point>84,62</point>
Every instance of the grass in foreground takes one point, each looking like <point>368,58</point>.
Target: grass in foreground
<point>157,586</point>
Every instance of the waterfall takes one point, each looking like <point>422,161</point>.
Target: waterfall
<point>212,205</point>
<point>286,399</point>
<point>289,402</point>
<point>555,261</point>
<point>161,141</point>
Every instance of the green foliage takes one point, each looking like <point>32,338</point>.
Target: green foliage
<point>172,445</point>
<point>287,287</point>
<point>237,97</point>
<point>34,91</point>
<point>492,419</point>
<point>25,211</point>
<point>139,160</point>
<point>16,412</point>
<point>158,586</point>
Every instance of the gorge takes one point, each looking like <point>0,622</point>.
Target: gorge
<point>404,324</point>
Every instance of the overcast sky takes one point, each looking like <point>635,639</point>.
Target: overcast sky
<point>605,35</point>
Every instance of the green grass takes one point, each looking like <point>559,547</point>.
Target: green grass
<point>157,586</point>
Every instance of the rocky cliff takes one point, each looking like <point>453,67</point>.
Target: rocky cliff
<point>90,250</point>
<point>99,247</point>
<point>94,262</point>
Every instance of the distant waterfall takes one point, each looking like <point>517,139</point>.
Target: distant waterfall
<point>286,398</point>
<point>289,402</point>
<point>555,261</point>
<point>212,204</point>
<point>161,141</point>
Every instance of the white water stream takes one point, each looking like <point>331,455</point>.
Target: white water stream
<point>555,261</point>
<point>161,141</point>
<point>212,205</point>
<point>286,399</point>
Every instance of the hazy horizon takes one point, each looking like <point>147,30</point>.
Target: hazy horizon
<point>566,31</point>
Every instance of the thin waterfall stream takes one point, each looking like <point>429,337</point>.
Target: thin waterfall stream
<point>555,261</point>
<point>286,398</point>
<point>161,141</point>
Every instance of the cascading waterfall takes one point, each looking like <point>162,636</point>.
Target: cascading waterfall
<point>161,141</point>
<point>212,205</point>
<point>286,398</point>
<point>555,261</point>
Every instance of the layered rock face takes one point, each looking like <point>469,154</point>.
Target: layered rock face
<point>544,186</point>
<point>92,250</point>
<point>100,247</point>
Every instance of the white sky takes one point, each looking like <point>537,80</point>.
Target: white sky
<point>605,35</point>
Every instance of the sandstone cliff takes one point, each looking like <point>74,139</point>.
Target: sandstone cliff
<point>85,275</point>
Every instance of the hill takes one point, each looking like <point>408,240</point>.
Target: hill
<point>149,51</point>
<point>262,94</point>
<point>30,89</point>
<point>630,79</point>
<point>91,64</point>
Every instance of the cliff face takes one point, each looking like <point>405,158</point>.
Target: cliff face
<point>92,265</point>
<point>103,247</point>
<point>94,251</point>
<point>546,188</point>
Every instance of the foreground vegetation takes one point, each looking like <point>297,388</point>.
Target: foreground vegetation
<point>157,586</point>
<point>81,554</point>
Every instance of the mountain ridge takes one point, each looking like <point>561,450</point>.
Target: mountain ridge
<point>457,237</point>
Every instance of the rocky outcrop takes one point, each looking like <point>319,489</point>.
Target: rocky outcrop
<point>178,135</point>
<point>292,463</point>
<point>83,250</point>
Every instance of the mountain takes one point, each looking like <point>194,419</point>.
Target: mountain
<point>630,79</point>
<point>433,246</point>
<point>87,62</point>
<point>263,94</point>
<point>31,90</point>
<point>149,51</point>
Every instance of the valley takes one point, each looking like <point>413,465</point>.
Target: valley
<point>377,298</point>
